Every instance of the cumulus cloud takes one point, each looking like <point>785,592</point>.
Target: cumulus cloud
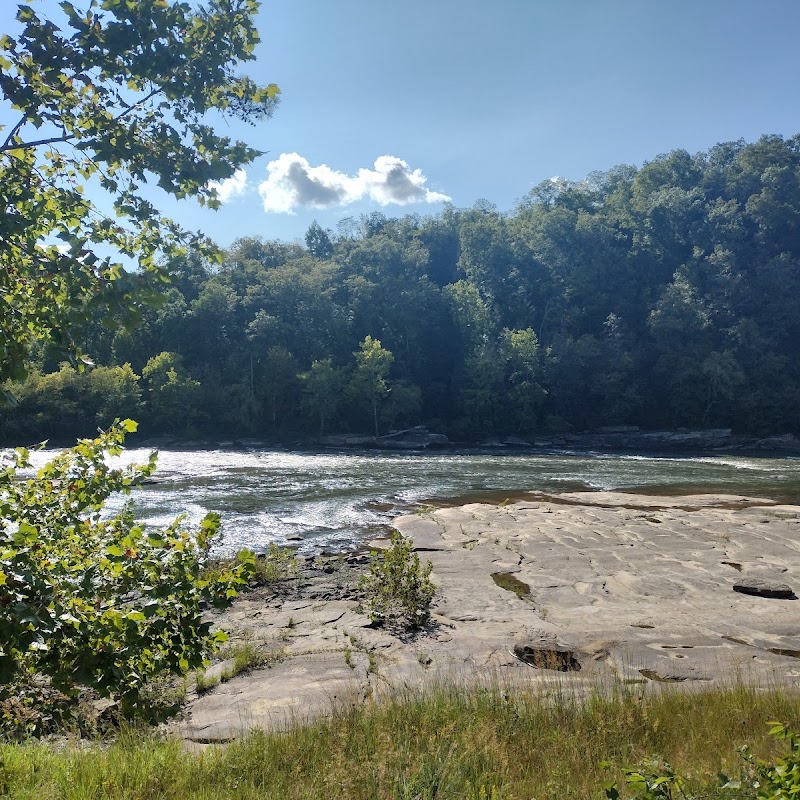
<point>230,187</point>
<point>293,183</point>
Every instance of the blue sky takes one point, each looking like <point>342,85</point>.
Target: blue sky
<point>471,99</point>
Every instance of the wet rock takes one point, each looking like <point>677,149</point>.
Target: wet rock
<point>764,588</point>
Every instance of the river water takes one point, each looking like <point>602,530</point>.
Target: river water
<point>335,500</point>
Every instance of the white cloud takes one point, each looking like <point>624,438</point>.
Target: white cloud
<point>230,187</point>
<point>292,183</point>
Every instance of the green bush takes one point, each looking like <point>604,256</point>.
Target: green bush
<point>97,600</point>
<point>779,780</point>
<point>398,589</point>
<point>763,780</point>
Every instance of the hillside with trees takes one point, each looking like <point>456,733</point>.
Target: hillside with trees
<point>664,296</point>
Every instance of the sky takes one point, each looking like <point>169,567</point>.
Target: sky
<point>399,107</point>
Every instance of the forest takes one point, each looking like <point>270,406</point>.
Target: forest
<point>661,296</point>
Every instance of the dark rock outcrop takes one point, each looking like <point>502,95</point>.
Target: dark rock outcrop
<point>764,588</point>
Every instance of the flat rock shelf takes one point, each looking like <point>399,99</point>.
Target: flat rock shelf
<point>622,588</point>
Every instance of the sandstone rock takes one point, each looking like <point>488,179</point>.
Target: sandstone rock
<point>608,595</point>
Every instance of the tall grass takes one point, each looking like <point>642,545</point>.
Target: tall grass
<point>451,743</point>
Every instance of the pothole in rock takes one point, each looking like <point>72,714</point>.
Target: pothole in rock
<point>556,658</point>
<point>507,581</point>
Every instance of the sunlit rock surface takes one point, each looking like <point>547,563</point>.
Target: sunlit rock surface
<point>622,587</point>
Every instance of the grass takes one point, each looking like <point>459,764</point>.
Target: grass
<point>449,744</point>
<point>276,565</point>
<point>242,656</point>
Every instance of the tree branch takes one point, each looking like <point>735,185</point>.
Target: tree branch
<point>14,131</point>
<point>9,145</point>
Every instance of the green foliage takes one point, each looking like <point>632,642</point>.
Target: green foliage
<point>243,656</point>
<point>322,391</point>
<point>65,403</point>
<point>279,379</point>
<point>452,741</point>
<point>172,394</point>
<point>663,296</point>
<point>777,779</point>
<point>651,780</point>
<point>276,565</point>
<point>318,241</point>
<point>115,95</point>
<point>402,406</point>
<point>398,588</point>
<point>369,381</point>
<point>94,599</point>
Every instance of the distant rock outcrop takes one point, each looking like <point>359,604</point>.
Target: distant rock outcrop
<point>416,438</point>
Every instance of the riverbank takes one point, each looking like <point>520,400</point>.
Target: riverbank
<point>619,440</point>
<point>575,589</point>
<point>450,744</point>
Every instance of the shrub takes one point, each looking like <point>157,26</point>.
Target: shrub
<point>91,599</point>
<point>781,780</point>
<point>764,780</point>
<point>398,589</point>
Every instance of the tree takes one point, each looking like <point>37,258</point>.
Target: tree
<point>318,241</point>
<point>524,376</point>
<point>172,394</point>
<point>279,379</point>
<point>372,366</point>
<point>109,97</point>
<point>322,391</point>
<point>403,405</point>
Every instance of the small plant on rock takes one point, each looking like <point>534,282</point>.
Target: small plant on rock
<point>398,589</point>
<point>276,565</point>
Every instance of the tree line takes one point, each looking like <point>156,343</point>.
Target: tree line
<point>661,296</point>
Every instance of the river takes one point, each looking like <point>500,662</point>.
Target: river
<point>335,500</point>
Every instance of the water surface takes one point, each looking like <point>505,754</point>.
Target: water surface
<point>336,500</point>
